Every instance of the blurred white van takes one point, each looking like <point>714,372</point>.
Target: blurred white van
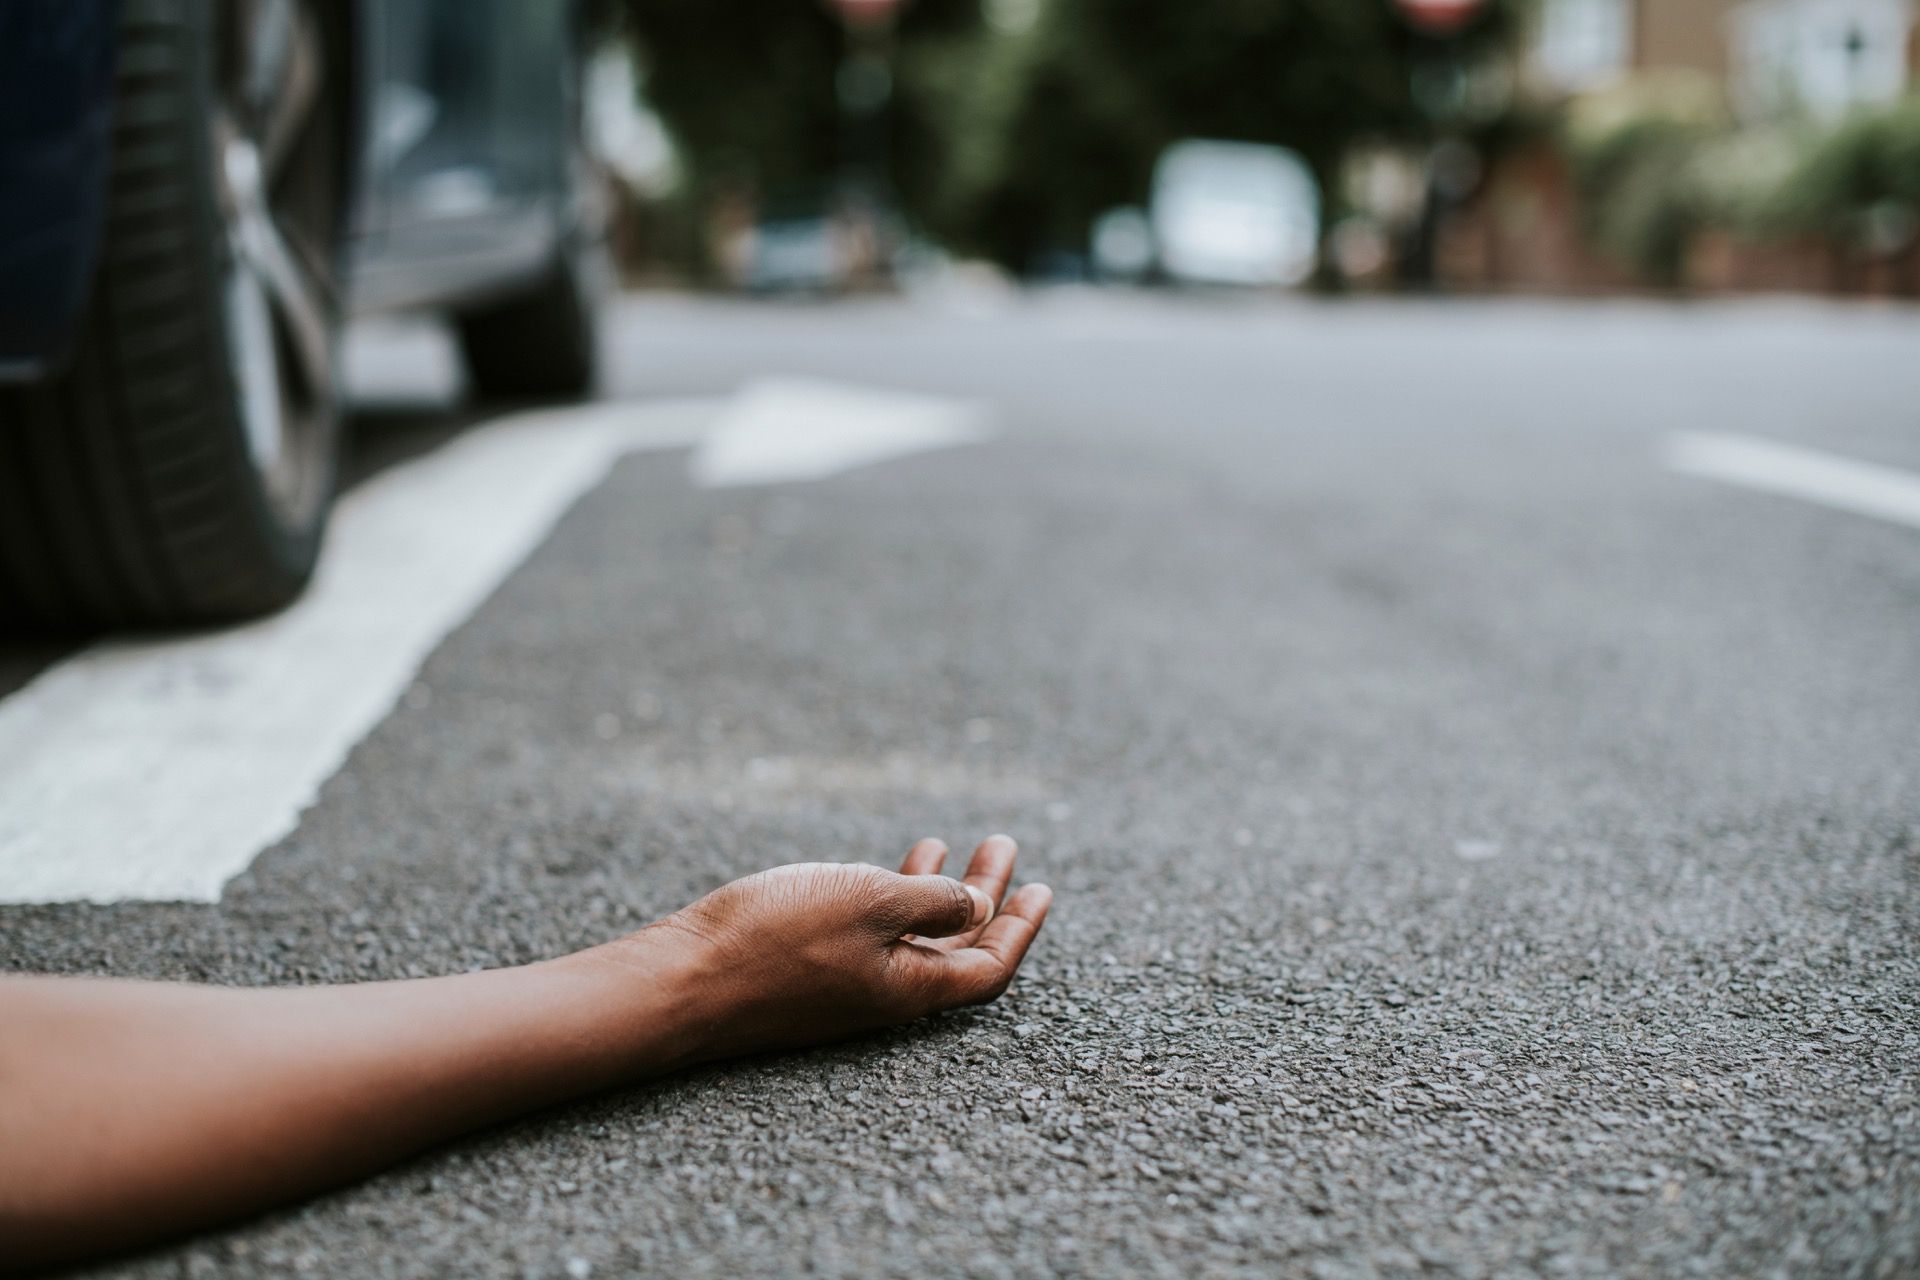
<point>1235,213</point>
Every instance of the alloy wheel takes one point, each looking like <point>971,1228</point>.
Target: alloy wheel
<point>271,86</point>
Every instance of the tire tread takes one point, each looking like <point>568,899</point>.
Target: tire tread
<point>123,495</point>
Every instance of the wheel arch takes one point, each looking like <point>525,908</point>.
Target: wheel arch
<point>58,65</point>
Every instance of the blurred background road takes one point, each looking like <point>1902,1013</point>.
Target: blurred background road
<point>1480,850</point>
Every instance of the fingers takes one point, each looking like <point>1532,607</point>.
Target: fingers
<point>987,871</point>
<point>925,858</point>
<point>1013,930</point>
<point>931,905</point>
<point>992,866</point>
<point>950,978</point>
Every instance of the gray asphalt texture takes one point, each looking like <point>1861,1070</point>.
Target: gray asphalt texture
<point>1478,853</point>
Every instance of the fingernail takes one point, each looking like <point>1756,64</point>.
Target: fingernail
<point>982,907</point>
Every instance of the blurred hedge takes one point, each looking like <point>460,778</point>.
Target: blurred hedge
<point>1859,183</point>
<point>1656,163</point>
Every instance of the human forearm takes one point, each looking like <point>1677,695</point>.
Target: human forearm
<point>128,1106</point>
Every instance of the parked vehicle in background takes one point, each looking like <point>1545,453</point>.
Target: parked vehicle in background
<point>193,193</point>
<point>799,252</point>
<point>1122,245</point>
<point>819,239</point>
<point>1235,213</point>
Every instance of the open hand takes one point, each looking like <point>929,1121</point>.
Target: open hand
<point>808,953</point>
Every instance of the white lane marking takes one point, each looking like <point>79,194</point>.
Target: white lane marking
<point>784,429</point>
<point>157,770</point>
<point>1864,488</point>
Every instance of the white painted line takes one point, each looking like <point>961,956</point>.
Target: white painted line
<point>157,770</point>
<point>785,429</point>
<point>1864,488</point>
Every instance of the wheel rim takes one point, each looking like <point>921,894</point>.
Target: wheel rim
<point>270,83</point>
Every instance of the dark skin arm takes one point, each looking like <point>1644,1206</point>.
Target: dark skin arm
<point>130,1111</point>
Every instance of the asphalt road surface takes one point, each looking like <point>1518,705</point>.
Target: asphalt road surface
<point>1479,851</point>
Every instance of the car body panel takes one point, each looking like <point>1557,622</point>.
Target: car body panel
<point>471,150</point>
<point>465,186</point>
<point>56,120</point>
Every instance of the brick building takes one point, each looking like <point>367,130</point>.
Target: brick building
<point>1771,56</point>
<point>1759,60</point>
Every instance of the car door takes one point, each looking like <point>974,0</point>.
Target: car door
<point>468,147</point>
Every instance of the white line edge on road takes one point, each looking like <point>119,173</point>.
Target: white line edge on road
<point>1863,488</point>
<point>157,770</point>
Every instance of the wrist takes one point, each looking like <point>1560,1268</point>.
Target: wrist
<point>661,988</point>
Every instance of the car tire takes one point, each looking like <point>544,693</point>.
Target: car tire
<point>541,342</point>
<point>180,468</point>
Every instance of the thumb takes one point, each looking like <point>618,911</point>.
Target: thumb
<point>933,906</point>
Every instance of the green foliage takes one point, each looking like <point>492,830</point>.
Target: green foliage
<point>1868,165</point>
<point>748,87</point>
<point>1634,152</point>
<point>1011,142</point>
<point>1653,167</point>
<point>1736,179</point>
<point>1068,119</point>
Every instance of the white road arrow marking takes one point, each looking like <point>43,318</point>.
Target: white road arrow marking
<point>786,429</point>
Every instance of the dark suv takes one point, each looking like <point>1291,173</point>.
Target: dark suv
<point>192,194</point>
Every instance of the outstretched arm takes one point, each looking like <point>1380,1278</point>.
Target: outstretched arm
<point>132,1110</point>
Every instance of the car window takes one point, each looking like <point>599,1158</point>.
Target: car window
<point>473,106</point>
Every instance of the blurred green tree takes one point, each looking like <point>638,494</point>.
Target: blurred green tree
<point>1074,115</point>
<point>748,89</point>
<point>1013,128</point>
